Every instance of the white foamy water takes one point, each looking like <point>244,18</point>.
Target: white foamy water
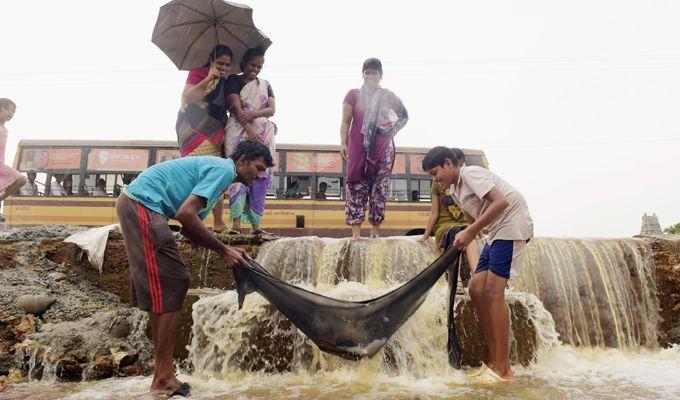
<point>563,372</point>
<point>256,337</point>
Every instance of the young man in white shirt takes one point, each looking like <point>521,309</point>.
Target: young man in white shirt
<point>56,188</point>
<point>501,211</point>
<point>30,188</point>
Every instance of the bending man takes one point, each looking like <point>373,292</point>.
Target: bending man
<point>186,190</point>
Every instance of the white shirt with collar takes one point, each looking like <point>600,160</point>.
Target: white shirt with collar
<point>473,184</point>
<point>56,189</point>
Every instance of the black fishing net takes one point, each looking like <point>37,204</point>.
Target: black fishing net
<point>353,329</point>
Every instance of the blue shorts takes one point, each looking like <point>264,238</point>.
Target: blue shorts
<point>502,257</point>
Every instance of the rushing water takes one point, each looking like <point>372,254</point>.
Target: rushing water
<point>599,297</point>
<point>601,292</point>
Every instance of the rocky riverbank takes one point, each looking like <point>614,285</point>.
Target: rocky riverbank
<point>60,317</point>
<point>666,254</point>
<point>55,322</point>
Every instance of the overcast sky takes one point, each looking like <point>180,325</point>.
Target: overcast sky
<point>574,102</point>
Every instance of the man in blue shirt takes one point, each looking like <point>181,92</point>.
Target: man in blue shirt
<point>185,190</point>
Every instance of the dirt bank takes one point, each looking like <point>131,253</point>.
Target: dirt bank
<point>84,332</point>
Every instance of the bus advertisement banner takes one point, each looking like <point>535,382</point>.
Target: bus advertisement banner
<point>50,159</point>
<point>313,162</point>
<point>399,164</point>
<point>124,160</point>
<point>328,162</point>
<point>416,164</point>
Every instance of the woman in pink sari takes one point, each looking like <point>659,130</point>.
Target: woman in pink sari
<point>10,179</point>
<point>251,104</point>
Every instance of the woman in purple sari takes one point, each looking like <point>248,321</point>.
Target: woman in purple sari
<point>371,116</point>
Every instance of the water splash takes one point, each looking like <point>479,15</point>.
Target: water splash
<point>258,338</point>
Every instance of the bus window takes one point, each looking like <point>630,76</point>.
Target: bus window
<point>474,160</point>
<point>114,183</point>
<point>398,190</point>
<point>90,182</point>
<point>71,183</point>
<point>423,187</point>
<point>56,188</point>
<point>333,188</point>
<point>275,190</point>
<point>95,185</point>
<point>297,187</point>
<point>128,178</point>
<point>35,185</point>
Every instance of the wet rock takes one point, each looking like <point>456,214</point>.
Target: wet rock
<point>103,367</point>
<point>15,376</point>
<point>7,256</point>
<point>124,359</point>
<point>7,363</point>
<point>134,370</point>
<point>69,369</point>
<point>523,335</point>
<point>666,254</point>
<point>35,304</point>
<point>26,325</point>
<point>7,318</point>
<point>672,335</point>
<point>267,341</point>
<point>88,343</point>
<point>120,327</point>
<point>57,276</point>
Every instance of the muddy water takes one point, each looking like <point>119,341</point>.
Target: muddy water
<point>564,372</point>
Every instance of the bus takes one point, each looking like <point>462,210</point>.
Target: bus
<point>78,182</point>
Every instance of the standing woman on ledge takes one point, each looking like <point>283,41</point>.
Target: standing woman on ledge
<point>371,116</point>
<point>251,104</point>
<point>203,116</point>
<point>10,179</point>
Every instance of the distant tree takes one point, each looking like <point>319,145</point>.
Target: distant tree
<point>673,229</point>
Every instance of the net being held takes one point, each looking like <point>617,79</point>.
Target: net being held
<point>349,329</point>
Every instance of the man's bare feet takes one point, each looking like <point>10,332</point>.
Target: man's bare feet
<point>164,386</point>
<point>501,374</point>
